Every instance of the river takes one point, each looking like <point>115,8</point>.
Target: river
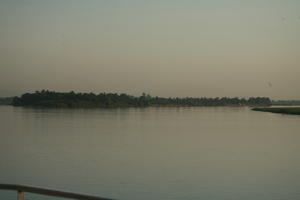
<point>161,153</point>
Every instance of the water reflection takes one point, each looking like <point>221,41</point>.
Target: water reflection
<point>153,153</point>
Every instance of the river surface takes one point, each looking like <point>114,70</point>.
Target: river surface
<point>192,153</point>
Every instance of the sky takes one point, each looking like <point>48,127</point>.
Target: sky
<point>168,48</point>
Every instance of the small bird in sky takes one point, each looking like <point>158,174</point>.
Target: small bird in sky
<point>270,84</point>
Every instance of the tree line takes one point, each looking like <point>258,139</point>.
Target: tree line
<point>286,103</point>
<point>46,98</point>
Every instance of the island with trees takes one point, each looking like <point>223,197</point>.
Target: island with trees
<point>46,98</point>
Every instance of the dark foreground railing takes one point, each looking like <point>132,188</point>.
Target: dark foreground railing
<point>21,189</point>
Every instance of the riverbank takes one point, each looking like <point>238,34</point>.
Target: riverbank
<point>52,99</point>
<point>282,110</point>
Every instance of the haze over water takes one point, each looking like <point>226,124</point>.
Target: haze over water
<point>187,153</point>
<point>166,48</point>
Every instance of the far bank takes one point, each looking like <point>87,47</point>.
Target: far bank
<point>282,110</point>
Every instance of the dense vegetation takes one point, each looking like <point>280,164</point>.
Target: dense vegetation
<point>283,110</point>
<point>286,103</point>
<point>71,99</point>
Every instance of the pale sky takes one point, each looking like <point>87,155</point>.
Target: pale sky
<point>196,48</point>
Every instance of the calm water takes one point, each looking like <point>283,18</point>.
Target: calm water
<point>152,153</point>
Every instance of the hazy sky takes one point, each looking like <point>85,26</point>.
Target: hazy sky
<point>162,47</point>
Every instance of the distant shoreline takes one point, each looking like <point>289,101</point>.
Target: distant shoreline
<point>281,110</point>
<point>52,99</point>
<point>124,107</point>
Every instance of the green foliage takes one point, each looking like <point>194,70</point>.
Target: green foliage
<point>286,103</point>
<point>71,99</point>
